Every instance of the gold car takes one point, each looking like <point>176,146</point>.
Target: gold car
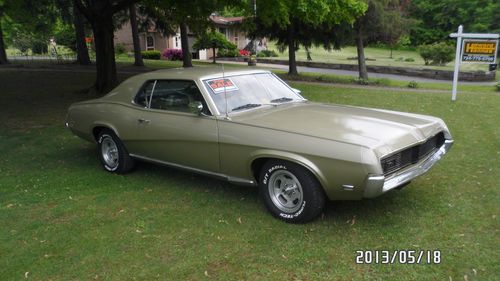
<point>250,127</point>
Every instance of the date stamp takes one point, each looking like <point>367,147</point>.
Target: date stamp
<point>398,257</point>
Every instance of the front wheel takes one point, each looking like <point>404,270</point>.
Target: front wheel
<point>290,191</point>
<point>112,153</point>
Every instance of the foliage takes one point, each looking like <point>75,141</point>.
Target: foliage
<point>497,87</point>
<point>151,55</point>
<point>120,49</point>
<point>413,84</point>
<point>213,39</point>
<point>437,53</point>
<point>267,53</point>
<point>64,34</point>
<point>437,19</point>
<point>172,54</point>
<point>22,42</point>
<point>228,53</point>
<point>294,23</point>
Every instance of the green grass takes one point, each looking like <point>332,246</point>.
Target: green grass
<point>64,218</point>
<point>375,56</point>
<point>383,82</point>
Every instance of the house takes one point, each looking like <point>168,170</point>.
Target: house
<point>154,40</point>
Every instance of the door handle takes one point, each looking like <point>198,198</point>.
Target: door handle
<point>143,121</point>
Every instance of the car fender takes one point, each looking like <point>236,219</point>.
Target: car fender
<point>292,157</point>
<point>105,125</point>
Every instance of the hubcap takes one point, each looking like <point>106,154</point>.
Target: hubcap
<point>109,152</point>
<point>285,191</point>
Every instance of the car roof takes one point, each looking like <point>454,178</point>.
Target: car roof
<point>198,72</point>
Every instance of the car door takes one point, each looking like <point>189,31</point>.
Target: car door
<point>170,131</point>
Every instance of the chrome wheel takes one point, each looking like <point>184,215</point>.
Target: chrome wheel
<point>285,191</point>
<point>109,152</point>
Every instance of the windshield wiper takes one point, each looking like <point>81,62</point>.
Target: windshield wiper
<point>280,100</point>
<point>246,106</point>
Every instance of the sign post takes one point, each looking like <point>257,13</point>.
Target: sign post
<point>474,51</point>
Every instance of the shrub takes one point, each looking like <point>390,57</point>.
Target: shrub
<point>413,84</point>
<point>228,52</point>
<point>39,47</point>
<point>437,53</point>
<point>151,55</point>
<point>409,60</point>
<point>267,53</point>
<point>172,54</point>
<point>120,49</point>
<point>497,86</point>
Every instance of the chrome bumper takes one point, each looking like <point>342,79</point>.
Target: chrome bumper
<point>379,184</point>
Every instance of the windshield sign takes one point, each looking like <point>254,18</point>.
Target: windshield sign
<point>220,85</point>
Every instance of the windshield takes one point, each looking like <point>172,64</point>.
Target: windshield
<point>247,91</point>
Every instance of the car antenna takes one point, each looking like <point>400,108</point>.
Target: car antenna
<point>225,93</point>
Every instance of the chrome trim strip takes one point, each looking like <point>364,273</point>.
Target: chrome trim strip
<point>378,184</point>
<point>234,180</point>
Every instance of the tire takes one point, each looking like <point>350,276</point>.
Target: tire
<point>290,192</point>
<point>112,153</point>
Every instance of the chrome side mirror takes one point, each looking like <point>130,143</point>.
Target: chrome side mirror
<point>196,107</point>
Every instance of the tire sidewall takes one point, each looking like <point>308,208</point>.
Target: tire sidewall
<point>266,174</point>
<point>103,136</point>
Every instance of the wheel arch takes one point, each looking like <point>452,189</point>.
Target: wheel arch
<point>258,159</point>
<point>98,127</point>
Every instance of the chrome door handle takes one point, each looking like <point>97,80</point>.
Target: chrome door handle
<point>143,121</point>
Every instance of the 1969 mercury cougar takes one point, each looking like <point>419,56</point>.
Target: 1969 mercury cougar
<point>250,127</point>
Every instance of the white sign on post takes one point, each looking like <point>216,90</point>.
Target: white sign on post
<point>474,51</point>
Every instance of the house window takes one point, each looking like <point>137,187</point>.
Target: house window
<point>176,42</point>
<point>223,31</point>
<point>150,43</point>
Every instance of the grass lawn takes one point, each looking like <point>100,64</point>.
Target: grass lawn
<point>375,56</point>
<point>64,218</point>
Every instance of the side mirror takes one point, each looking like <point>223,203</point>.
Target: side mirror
<point>297,91</point>
<point>196,107</point>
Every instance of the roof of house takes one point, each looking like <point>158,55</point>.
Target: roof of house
<point>226,20</point>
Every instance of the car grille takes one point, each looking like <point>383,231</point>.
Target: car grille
<point>411,155</point>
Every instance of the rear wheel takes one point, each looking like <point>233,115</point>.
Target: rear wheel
<point>112,153</point>
<point>290,191</point>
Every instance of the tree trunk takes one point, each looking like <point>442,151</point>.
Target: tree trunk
<point>292,62</point>
<point>105,55</point>
<point>186,54</point>
<point>3,55</point>
<point>135,37</point>
<point>82,52</point>
<point>363,73</point>
<point>213,50</point>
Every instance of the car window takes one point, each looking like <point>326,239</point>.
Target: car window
<point>172,95</point>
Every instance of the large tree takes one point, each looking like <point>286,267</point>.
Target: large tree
<point>383,22</point>
<point>135,36</point>
<point>99,14</point>
<point>3,54</point>
<point>292,23</point>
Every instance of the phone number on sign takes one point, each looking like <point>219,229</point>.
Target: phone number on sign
<point>398,256</point>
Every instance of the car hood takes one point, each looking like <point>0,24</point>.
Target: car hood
<point>382,130</point>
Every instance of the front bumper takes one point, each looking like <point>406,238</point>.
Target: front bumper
<point>379,184</point>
